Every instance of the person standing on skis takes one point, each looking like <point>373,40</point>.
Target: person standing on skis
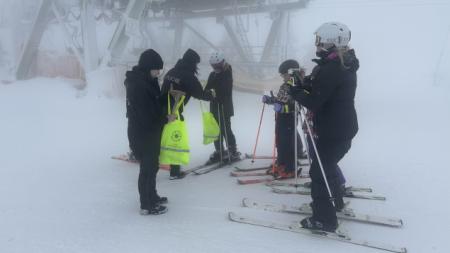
<point>220,83</point>
<point>331,100</point>
<point>145,124</point>
<point>285,125</point>
<point>183,77</point>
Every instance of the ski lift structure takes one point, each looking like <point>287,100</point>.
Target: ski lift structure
<point>139,17</point>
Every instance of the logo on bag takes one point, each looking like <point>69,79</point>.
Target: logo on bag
<point>176,136</point>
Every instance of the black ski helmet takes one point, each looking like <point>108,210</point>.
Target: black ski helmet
<point>288,64</point>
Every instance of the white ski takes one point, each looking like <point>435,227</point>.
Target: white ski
<point>296,228</point>
<point>348,194</point>
<point>345,214</point>
<point>308,185</point>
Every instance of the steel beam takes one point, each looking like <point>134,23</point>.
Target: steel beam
<point>120,38</point>
<point>33,41</point>
<point>178,38</point>
<point>234,39</point>
<point>273,36</point>
<point>88,26</point>
<point>198,34</point>
<point>230,11</point>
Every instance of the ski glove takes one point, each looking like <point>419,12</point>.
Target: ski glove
<point>277,107</point>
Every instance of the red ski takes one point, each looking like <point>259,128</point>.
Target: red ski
<point>248,173</point>
<point>125,158</point>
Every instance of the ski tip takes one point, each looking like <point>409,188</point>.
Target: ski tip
<point>231,216</point>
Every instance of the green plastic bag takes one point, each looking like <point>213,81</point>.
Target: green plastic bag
<point>175,140</point>
<point>211,129</point>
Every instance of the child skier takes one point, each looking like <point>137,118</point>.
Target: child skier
<point>285,125</point>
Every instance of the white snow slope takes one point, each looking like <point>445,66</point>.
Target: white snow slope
<point>61,192</point>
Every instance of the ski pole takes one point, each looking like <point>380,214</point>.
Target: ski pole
<point>304,138</point>
<point>295,141</point>
<point>274,147</point>
<point>319,160</point>
<point>220,134</point>
<point>226,135</point>
<point>257,134</point>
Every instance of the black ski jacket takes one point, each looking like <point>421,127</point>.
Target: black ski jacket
<point>331,98</point>
<point>222,83</point>
<point>144,110</point>
<point>182,78</point>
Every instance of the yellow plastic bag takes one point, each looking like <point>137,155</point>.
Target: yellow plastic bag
<point>211,129</point>
<point>175,140</point>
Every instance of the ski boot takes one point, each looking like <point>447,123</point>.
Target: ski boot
<point>313,224</point>
<point>161,200</point>
<point>274,170</point>
<point>176,172</point>
<point>179,175</point>
<point>234,155</point>
<point>154,210</point>
<point>285,174</point>
<point>215,157</point>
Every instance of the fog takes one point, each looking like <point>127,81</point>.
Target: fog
<point>62,114</point>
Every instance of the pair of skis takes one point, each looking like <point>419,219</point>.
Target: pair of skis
<point>209,167</point>
<point>296,228</point>
<point>259,175</point>
<point>347,214</point>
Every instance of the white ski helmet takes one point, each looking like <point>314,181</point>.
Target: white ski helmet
<point>333,33</point>
<point>216,58</point>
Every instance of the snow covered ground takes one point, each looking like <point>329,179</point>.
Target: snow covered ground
<point>61,192</point>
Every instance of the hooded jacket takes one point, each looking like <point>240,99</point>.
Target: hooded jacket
<point>331,96</point>
<point>183,77</point>
<point>144,110</point>
<point>222,83</point>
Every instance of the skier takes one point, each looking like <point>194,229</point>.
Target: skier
<point>331,100</point>
<point>285,124</point>
<point>145,123</point>
<point>183,77</point>
<point>220,83</point>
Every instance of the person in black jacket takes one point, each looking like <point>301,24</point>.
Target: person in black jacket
<point>331,100</point>
<point>220,83</point>
<point>145,123</point>
<point>183,77</point>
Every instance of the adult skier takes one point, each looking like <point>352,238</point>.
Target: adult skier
<point>183,77</point>
<point>145,123</point>
<point>331,100</point>
<point>220,83</point>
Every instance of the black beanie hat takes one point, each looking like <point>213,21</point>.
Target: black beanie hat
<point>288,64</point>
<point>190,56</point>
<point>149,60</point>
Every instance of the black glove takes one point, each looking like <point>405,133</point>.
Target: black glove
<point>268,99</point>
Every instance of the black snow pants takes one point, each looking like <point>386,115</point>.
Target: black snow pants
<point>330,153</point>
<point>148,168</point>
<point>224,121</point>
<point>285,142</point>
